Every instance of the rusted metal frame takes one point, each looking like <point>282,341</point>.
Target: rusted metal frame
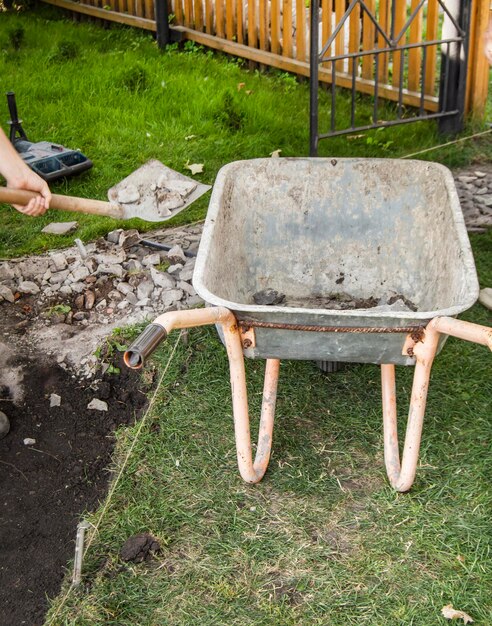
<point>423,348</point>
<point>251,471</point>
<point>245,324</point>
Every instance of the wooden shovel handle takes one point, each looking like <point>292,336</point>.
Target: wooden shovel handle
<point>63,203</point>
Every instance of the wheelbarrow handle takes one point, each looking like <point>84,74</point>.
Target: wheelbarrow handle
<point>63,203</point>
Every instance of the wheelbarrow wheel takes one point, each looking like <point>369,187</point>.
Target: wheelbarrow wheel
<point>329,367</point>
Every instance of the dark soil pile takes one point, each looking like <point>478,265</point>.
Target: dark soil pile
<point>47,485</point>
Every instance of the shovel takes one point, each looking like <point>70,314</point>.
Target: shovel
<point>153,192</point>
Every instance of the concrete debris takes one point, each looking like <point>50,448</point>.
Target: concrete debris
<point>98,405</point>
<point>55,400</point>
<point>60,228</point>
<point>28,441</point>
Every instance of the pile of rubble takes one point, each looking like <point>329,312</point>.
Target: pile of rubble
<point>73,298</point>
<point>111,278</point>
<point>475,193</point>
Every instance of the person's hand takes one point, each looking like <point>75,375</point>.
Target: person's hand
<point>487,43</point>
<point>27,179</point>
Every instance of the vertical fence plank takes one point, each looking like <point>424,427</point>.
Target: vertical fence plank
<point>188,12</point>
<point>354,37</point>
<point>262,18</point>
<point>326,22</point>
<point>219,18</point>
<point>340,40</point>
<point>384,22</point>
<point>275,26</point>
<point>149,9</point>
<point>301,30</point>
<point>230,16</point>
<point>239,21</point>
<point>198,8</point>
<point>368,40</point>
<point>209,16</point>
<point>398,57</point>
<point>130,6</point>
<point>432,26</point>
<point>178,12</point>
<point>287,28</point>
<point>415,54</point>
<point>478,68</point>
<point>252,32</point>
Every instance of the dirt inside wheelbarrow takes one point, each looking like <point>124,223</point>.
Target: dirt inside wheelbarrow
<point>47,485</point>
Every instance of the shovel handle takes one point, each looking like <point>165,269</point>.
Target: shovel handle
<point>63,203</point>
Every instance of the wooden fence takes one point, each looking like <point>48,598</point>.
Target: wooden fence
<point>276,33</point>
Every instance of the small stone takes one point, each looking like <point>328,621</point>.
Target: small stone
<point>194,301</point>
<point>115,295</point>
<point>171,297</point>
<point>78,287</point>
<point>485,297</point>
<point>79,274</point>
<point>131,298</point>
<point>6,294</point>
<point>268,297</point>
<point>129,238</point>
<point>59,261</point>
<point>186,287</point>
<point>111,270</point>
<point>480,174</point>
<point>89,300</point>
<point>128,194</point>
<point>487,199</point>
<point>124,288</point>
<point>80,316</point>
<point>29,441</point>
<point>79,301</point>
<point>6,272</point>
<point>151,259</point>
<point>55,400</point>
<point>176,255</point>
<point>186,274</point>
<point>162,279</point>
<point>101,305</point>
<point>133,266</point>
<point>144,289</point>
<point>4,425</point>
<point>60,228</point>
<point>114,235</point>
<point>66,290</point>
<point>98,405</point>
<point>172,269</point>
<point>26,286</point>
<point>58,277</point>
<point>466,179</point>
<point>124,304</point>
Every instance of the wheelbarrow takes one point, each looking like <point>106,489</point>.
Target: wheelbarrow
<point>372,261</point>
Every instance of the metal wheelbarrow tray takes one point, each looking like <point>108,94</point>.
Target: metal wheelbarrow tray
<point>373,260</point>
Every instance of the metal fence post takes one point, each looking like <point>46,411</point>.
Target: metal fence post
<point>313,80</point>
<point>454,65</point>
<point>162,23</point>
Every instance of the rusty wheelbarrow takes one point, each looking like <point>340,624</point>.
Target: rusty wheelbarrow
<point>372,261</point>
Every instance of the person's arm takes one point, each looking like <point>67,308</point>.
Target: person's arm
<point>18,175</point>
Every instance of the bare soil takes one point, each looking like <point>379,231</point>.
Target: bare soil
<point>45,487</point>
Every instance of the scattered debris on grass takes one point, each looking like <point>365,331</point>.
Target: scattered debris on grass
<point>450,613</point>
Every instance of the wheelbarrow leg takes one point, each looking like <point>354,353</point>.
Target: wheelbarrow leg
<point>401,476</point>
<point>251,472</point>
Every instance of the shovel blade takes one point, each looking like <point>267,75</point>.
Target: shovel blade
<point>155,193</point>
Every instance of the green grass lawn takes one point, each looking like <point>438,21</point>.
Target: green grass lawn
<point>322,539</point>
<point>115,96</point>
